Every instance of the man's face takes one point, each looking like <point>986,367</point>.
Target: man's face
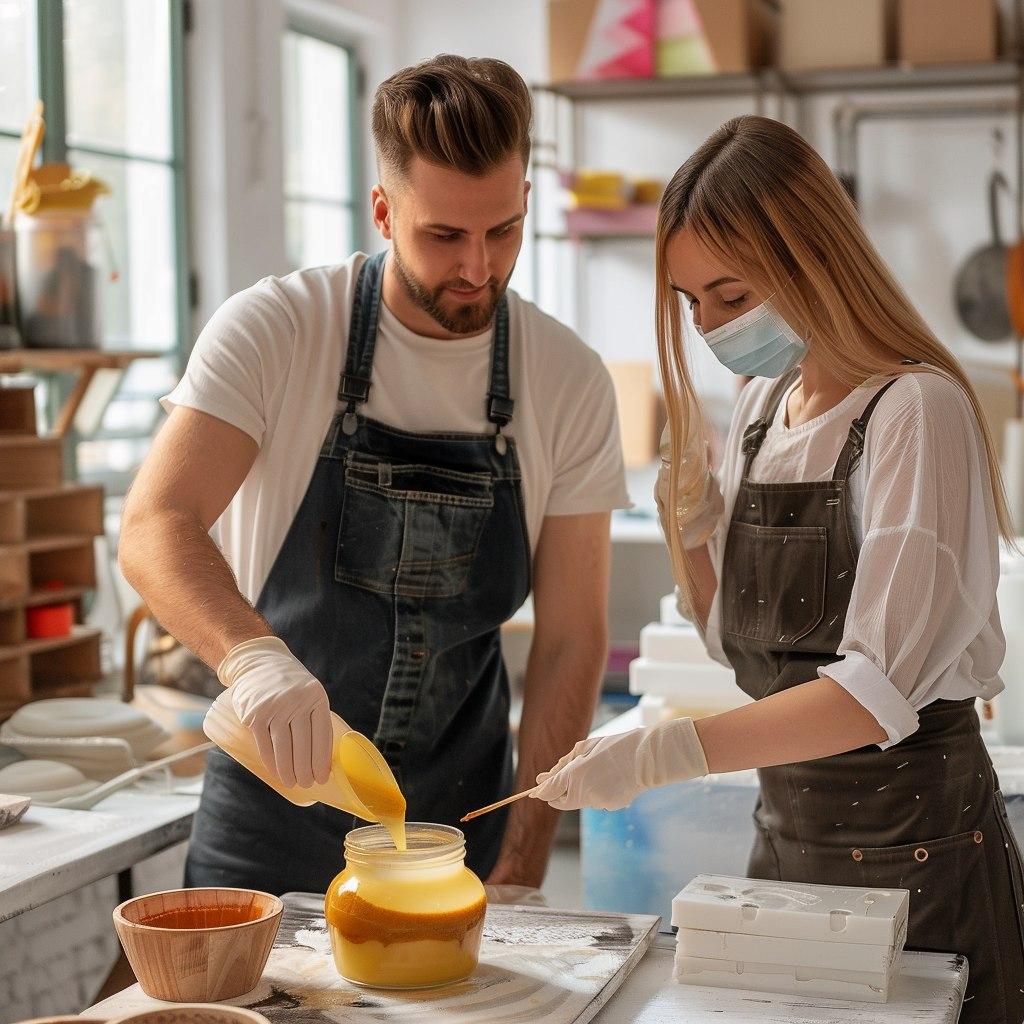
<point>455,239</point>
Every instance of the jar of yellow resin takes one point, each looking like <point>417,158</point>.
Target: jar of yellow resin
<point>405,919</point>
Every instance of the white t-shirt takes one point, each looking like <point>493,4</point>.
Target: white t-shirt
<point>269,362</point>
<point>922,622</point>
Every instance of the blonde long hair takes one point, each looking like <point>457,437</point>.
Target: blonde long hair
<point>765,203</point>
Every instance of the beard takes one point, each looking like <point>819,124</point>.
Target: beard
<point>457,318</point>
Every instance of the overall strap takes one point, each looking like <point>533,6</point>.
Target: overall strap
<point>852,451</point>
<point>500,404</point>
<point>354,387</point>
<point>754,435</point>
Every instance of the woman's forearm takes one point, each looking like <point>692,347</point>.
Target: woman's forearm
<point>803,723</point>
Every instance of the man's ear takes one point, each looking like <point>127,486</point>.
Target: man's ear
<point>381,211</point>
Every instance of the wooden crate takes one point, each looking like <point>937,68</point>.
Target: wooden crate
<point>14,580</point>
<point>69,561</point>
<point>70,665</point>
<point>12,627</point>
<point>15,684</point>
<point>68,512</point>
<point>28,463</point>
<point>12,519</point>
<point>17,411</point>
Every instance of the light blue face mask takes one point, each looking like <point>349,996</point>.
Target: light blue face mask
<point>757,344</point>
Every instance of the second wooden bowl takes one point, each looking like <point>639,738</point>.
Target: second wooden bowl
<point>198,945</point>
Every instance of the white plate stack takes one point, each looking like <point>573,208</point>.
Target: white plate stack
<point>788,937</point>
<point>674,674</point>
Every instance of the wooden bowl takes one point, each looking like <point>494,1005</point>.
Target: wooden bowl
<point>198,945</point>
<point>193,1013</point>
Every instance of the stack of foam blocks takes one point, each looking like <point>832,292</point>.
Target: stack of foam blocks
<point>674,674</point>
<point>787,937</point>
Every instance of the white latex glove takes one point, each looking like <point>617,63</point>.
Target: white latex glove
<point>699,502</point>
<point>284,707</point>
<point>609,772</point>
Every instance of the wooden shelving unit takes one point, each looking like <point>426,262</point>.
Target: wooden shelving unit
<point>83,364</point>
<point>47,557</point>
<point>933,91</point>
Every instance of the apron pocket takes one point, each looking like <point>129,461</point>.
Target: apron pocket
<point>757,606</point>
<point>1011,850</point>
<point>410,530</point>
<point>933,871</point>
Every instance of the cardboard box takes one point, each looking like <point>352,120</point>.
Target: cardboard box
<point>637,402</point>
<point>924,35</point>
<point>715,36</point>
<point>816,34</point>
<point>600,39</point>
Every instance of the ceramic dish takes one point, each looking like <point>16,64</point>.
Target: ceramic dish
<point>43,780</point>
<point>84,717</point>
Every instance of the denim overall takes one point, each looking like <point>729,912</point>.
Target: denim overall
<point>924,815</point>
<point>408,552</point>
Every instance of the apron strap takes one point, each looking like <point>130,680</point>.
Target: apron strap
<point>500,404</point>
<point>754,435</point>
<point>354,387</point>
<point>850,456</point>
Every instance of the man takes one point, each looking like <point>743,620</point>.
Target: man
<point>381,529</point>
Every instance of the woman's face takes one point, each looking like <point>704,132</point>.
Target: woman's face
<point>715,293</point>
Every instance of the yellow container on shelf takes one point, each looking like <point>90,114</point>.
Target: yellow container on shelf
<point>406,919</point>
<point>361,781</point>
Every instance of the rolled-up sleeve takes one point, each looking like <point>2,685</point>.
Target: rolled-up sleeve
<point>928,565</point>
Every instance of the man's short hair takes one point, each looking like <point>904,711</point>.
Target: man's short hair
<point>470,114</point>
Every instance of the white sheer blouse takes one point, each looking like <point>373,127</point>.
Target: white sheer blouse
<point>922,622</point>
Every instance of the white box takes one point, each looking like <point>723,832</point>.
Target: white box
<point>796,910</point>
<point>867,986</point>
<point>773,949</point>
<point>662,642</point>
<point>684,684</point>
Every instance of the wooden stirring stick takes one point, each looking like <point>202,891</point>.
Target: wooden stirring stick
<point>501,803</point>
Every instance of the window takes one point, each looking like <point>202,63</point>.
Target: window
<point>109,73</point>
<point>318,81</point>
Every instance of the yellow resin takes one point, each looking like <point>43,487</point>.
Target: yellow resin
<point>405,928</point>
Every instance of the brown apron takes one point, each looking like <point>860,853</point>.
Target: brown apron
<point>924,815</point>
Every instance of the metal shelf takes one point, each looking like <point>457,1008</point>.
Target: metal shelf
<point>803,83</point>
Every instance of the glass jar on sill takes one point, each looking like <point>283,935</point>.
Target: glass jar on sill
<point>409,919</point>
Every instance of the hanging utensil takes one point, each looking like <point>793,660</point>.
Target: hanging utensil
<point>980,287</point>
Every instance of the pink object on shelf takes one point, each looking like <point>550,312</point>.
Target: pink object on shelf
<point>620,41</point>
<point>639,219</point>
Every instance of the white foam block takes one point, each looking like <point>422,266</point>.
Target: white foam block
<point>682,685</point>
<point>825,913</point>
<point>867,986</point>
<point>773,949</point>
<point>673,643</point>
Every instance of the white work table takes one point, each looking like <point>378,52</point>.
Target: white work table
<point>527,977</point>
<point>52,852</point>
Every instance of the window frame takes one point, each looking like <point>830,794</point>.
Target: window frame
<point>51,82</point>
<point>298,25</point>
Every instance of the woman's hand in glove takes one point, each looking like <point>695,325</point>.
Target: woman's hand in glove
<point>608,772</point>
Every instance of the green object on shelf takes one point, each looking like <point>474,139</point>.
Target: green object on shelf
<point>683,55</point>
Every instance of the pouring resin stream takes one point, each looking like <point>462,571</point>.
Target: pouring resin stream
<point>361,781</point>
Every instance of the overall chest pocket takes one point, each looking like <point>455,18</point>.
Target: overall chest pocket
<point>408,529</point>
<point>776,582</point>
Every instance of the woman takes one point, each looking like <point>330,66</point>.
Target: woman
<point>845,567</point>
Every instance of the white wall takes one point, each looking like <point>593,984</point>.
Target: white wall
<point>922,186</point>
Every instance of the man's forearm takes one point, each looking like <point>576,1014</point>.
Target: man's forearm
<point>561,691</point>
<point>188,586</point>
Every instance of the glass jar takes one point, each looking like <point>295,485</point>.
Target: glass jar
<point>409,919</point>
